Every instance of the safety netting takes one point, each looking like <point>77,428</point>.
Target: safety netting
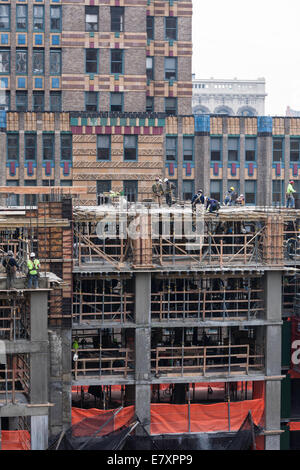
<point>100,433</point>
<point>15,440</point>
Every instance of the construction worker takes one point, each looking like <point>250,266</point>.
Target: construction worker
<point>33,266</point>
<point>231,197</point>
<point>198,198</point>
<point>241,200</point>
<point>212,205</point>
<point>290,200</point>
<point>168,191</point>
<point>11,266</point>
<point>158,189</point>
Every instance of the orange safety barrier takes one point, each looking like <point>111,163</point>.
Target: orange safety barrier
<point>15,440</point>
<point>170,419</point>
<point>122,418</point>
<point>204,418</point>
<point>294,426</point>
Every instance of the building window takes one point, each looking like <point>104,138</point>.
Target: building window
<point>30,147</point>
<point>188,189</point>
<point>38,18</point>
<point>55,18</point>
<point>171,149</point>
<point>150,27</point>
<point>117,19</point>
<point>91,101</point>
<point>278,150</point>
<point>66,147</point>
<point>116,61</point>
<point>38,101</point>
<point>150,68</point>
<point>103,147</point>
<point>250,149</point>
<point>55,62</point>
<point>216,190</point>
<point>171,106</point>
<point>233,149</point>
<point>91,18</point>
<point>4,17</point>
<point>12,147</point>
<point>30,199</point>
<point>21,17</point>
<point>278,192</point>
<point>130,190</point>
<point>170,68</point>
<point>91,60</point>
<point>103,186</point>
<point>48,182</point>
<point>21,62</point>
<point>216,149</point>
<point>48,146</point>
<point>5,61</point>
<point>130,147</point>
<point>250,192</point>
<point>55,101</point>
<point>65,182</point>
<point>188,149</point>
<point>116,102</point>
<point>12,199</point>
<point>171,28</point>
<point>38,62</point>
<point>295,150</point>
<point>5,100</point>
<point>150,104</point>
<point>21,101</point>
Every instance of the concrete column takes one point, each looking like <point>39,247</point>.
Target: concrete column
<point>39,367</point>
<point>39,432</point>
<point>242,164</point>
<point>225,166</point>
<point>264,170</point>
<point>180,158</point>
<point>273,284</point>
<point>143,347</point>
<point>202,163</point>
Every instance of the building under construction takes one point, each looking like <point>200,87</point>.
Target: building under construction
<point>171,318</point>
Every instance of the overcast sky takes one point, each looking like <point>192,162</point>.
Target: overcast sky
<point>248,40</point>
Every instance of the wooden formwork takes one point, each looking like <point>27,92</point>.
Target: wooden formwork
<point>273,240</point>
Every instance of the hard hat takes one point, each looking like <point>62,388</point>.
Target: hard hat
<point>292,182</point>
<point>32,255</point>
<point>232,188</point>
<point>165,180</point>
<point>200,191</point>
<point>10,253</point>
<point>157,178</point>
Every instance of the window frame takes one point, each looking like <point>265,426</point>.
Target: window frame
<point>281,139</point>
<point>237,150</point>
<point>51,95</point>
<point>186,139</point>
<point>94,61</point>
<point>114,62</point>
<point>68,147</point>
<point>38,51</point>
<point>166,71</point>
<point>292,140</point>
<point>216,195</point>
<point>58,8</point>
<point>167,112</point>
<point>8,16</point>
<point>42,29</point>
<point>247,193</point>
<point>9,146</point>
<point>168,149</point>
<point>26,147</point>
<point>251,139</point>
<point>107,136</point>
<point>192,192</point>
<point>26,18</point>
<point>214,150</point>
<point>22,51</point>
<point>46,135</point>
<point>35,94</point>
<point>113,93</point>
<point>87,95</point>
<point>125,158</point>
<point>9,60</point>
<point>121,23</point>
<point>18,94</point>
<point>51,54</point>
<point>167,38</point>
<point>150,28</point>
<point>151,75</point>
<point>152,106</point>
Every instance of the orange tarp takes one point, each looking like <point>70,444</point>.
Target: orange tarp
<point>125,415</point>
<point>168,419</point>
<point>15,440</point>
<point>294,426</point>
<point>204,418</point>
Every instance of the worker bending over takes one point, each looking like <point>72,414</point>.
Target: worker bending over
<point>212,205</point>
<point>198,198</point>
<point>33,266</point>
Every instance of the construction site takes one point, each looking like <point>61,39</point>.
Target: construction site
<point>144,323</point>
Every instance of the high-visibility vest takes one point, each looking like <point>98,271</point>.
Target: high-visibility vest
<point>33,266</point>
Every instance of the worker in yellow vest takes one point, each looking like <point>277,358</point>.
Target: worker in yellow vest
<point>33,266</point>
